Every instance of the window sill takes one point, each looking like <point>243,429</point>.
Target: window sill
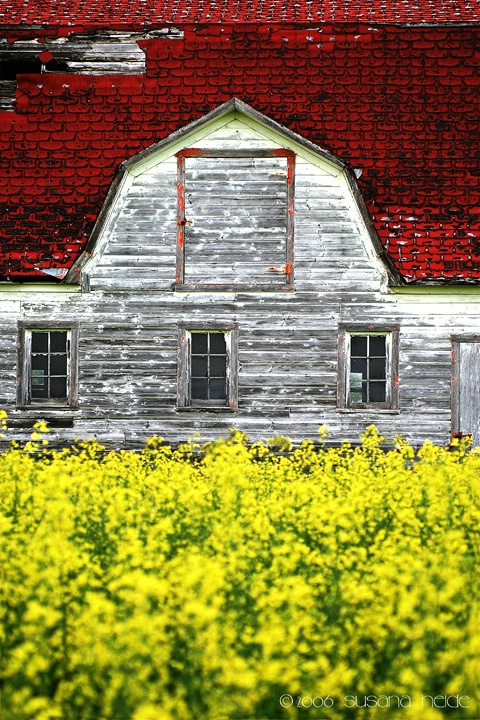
<point>369,409</point>
<point>206,408</point>
<point>50,408</point>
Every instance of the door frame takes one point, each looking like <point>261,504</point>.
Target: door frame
<point>457,340</point>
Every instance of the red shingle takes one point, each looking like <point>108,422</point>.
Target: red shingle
<point>400,103</point>
<point>52,17</point>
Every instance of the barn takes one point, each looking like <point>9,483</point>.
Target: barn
<point>260,215</point>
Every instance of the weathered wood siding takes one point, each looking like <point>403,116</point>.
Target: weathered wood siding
<point>329,247</point>
<point>287,349</point>
<point>235,220</point>
<point>287,341</point>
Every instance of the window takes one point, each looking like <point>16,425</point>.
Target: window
<point>208,366</point>
<point>207,369</point>
<point>47,366</point>
<point>368,368</point>
<point>235,219</point>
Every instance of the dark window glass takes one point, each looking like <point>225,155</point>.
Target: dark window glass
<point>359,365</point>
<point>58,364</point>
<point>58,387</point>
<point>368,369</point>
<point>377,392</point>
<point>199,366</point>
<point>217,344</point>
<point>359,346</point>
<point>58,342</point>
<point>377,346</point>
<point>199,389</point>
<point>49,363</point>
<point>40,362</point>
<point>217,389</point>
<point>377,368</point>
<point>40,342</point>
<point>218,365</point>
<point>199,343</point>
<point>208,366</point>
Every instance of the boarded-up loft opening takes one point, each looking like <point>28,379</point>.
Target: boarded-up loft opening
<point>235,219</point>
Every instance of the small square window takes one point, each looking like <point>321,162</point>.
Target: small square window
<point>47,366</point>
<point>368,369</point>
<point>207,372</point>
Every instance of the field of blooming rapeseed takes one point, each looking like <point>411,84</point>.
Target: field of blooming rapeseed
<point>236,582</point>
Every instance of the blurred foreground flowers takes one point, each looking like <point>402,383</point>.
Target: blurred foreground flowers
<point>208,582</point>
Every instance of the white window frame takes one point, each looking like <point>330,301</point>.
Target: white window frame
<point>184,400</point>
<point>391,366</point>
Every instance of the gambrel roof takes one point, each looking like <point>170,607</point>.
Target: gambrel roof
<point>187,140</point>
<point>390,88</point>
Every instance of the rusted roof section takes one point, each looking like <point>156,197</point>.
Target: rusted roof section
<point>80,15</point>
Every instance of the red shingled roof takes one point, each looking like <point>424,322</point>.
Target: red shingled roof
<point>400,104</point>
<point>89,14</point>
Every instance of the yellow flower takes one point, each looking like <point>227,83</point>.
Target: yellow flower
<point>206,581</point>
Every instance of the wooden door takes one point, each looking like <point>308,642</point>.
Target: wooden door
<point>466,389</point>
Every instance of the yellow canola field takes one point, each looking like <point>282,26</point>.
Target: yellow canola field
<point>230,581</point>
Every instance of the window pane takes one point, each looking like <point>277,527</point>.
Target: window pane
<point>356,387</point>
<point>377,346</point>
<point>199,389</point>
<point>218,389</point>
<point>217,343</point>
<point>39,384</point>
<point>218,366</point>
<point>364,392</point>
<point>40,362</point>
<point>359,345</point>
<point>377,369</point>
<point>358,394</point>
<point>58,364</point>
<point>199,343</point>
<point>58,387</point>
<point>199,366</point>
<point>377,392</point>
<point>359,365</point>
<point>39,342</point>
<point>58,341</point>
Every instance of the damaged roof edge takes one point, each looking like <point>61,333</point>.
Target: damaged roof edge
<point>395,278</point>
<point>74,274</point>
